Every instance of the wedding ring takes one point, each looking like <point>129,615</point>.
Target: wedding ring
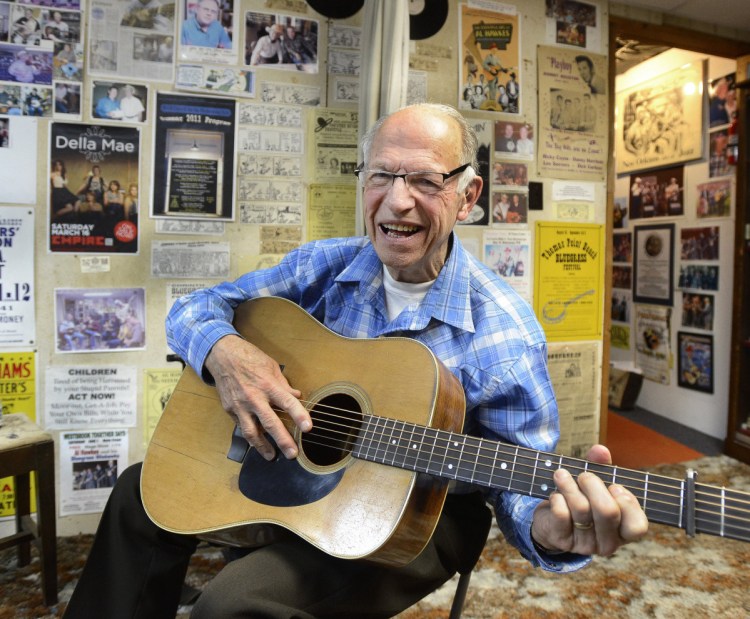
<point>582,526</point>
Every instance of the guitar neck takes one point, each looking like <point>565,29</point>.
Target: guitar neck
<point>683,503</point>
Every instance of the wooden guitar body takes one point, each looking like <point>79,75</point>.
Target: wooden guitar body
<point>346,506</point>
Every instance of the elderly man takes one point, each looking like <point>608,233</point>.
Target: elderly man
<point>409,277</point>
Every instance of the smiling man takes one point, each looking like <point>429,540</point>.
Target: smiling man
<point>409,277</point>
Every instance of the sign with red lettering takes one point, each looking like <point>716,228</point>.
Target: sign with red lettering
<point>93,189</point>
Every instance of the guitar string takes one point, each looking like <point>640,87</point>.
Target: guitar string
<point>653,480</point>
<point>702,514</point>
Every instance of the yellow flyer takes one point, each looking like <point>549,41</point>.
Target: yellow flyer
<point>569,280</point>
<point>18,395</point>
<point>157,389</point>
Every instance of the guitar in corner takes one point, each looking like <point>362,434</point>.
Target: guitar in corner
<point>372,475</point>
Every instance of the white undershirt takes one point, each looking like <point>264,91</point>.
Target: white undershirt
<point>399,295</point>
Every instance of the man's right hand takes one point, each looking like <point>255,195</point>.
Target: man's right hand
<point>252,389</point>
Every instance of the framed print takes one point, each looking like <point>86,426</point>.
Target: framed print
<point>657,193</point>
<point>653,264</point>
<point>695,361</point>
<point>194,157</point>
<point>659,122</point>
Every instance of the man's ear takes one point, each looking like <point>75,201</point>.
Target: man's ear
<point>469,197</point>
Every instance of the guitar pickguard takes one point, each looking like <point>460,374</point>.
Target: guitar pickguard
<point>283,483</point>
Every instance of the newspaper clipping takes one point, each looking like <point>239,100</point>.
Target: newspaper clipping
<point>574,369</point>
<point>190,259</point>
<point>132,38</point>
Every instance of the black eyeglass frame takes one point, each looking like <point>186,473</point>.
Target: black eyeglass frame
<point>446,175</point>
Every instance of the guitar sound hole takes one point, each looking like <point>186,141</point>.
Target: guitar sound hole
<point>336,419</point>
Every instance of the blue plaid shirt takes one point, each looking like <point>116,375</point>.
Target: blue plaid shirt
<point>473,322</point>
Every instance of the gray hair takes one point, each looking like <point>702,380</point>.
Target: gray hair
<point>469,142</point>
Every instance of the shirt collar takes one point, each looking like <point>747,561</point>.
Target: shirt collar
<point>447,301</point>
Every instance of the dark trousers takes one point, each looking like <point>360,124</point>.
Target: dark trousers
<point>136,570</point>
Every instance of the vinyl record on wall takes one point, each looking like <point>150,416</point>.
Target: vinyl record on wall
<point>426,18</point>
<point>336,9</point>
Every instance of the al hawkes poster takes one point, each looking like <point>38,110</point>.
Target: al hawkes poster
<point>94,190</point>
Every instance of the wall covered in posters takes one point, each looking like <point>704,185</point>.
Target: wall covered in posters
<point>231,151</point>
<point>674,238</point>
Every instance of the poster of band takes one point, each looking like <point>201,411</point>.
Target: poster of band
<point>573,129</point>
<point>652,338</point>
<point>489,59</point>
<point>659,122</point>
<point>194,141</point>
<point>17,318</point>
<point>94,189</point>
<point>132,38</point>
<point>569,279</point>
<point>90,462</point>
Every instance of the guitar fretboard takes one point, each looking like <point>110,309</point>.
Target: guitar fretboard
<point>680,503</point>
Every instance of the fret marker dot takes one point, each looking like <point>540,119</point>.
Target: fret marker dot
<point>455,443</point>
<point>548,463</point>
<point>413,445</point>
<point>393,442</point>
<point>450,466</point>
<point>503,466</point>
<point>544,487</point>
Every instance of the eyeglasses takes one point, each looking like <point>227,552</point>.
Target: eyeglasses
<point>425,183</point>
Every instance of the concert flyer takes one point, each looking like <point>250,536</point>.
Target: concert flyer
<point>93,189</point>
<point>569,280</point>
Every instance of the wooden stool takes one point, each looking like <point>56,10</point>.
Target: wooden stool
<point>25,447</point>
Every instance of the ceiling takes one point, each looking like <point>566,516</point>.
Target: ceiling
<point>731,14</point>
<point>734,14</point>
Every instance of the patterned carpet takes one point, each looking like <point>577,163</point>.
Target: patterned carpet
<point>666,576</point>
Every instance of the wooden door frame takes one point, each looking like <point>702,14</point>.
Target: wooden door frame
<point>650,34</point>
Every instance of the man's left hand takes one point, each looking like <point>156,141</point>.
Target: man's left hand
<point>584,516</point>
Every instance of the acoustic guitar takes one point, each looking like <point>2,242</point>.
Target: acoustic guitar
<point>373,473</point>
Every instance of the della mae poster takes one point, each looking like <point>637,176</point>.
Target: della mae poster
<point>94,191</point>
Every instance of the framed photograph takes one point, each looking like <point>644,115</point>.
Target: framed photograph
<point>698,311</point>
<point>699,243</point>
<point>653,264</point>
<point>622,243</point>
<point>659,122</point>
<point>657,193</point>
<point>194,157</point>
<point>695,361</point>
<point>118,101</point>
<point>100,319</point>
